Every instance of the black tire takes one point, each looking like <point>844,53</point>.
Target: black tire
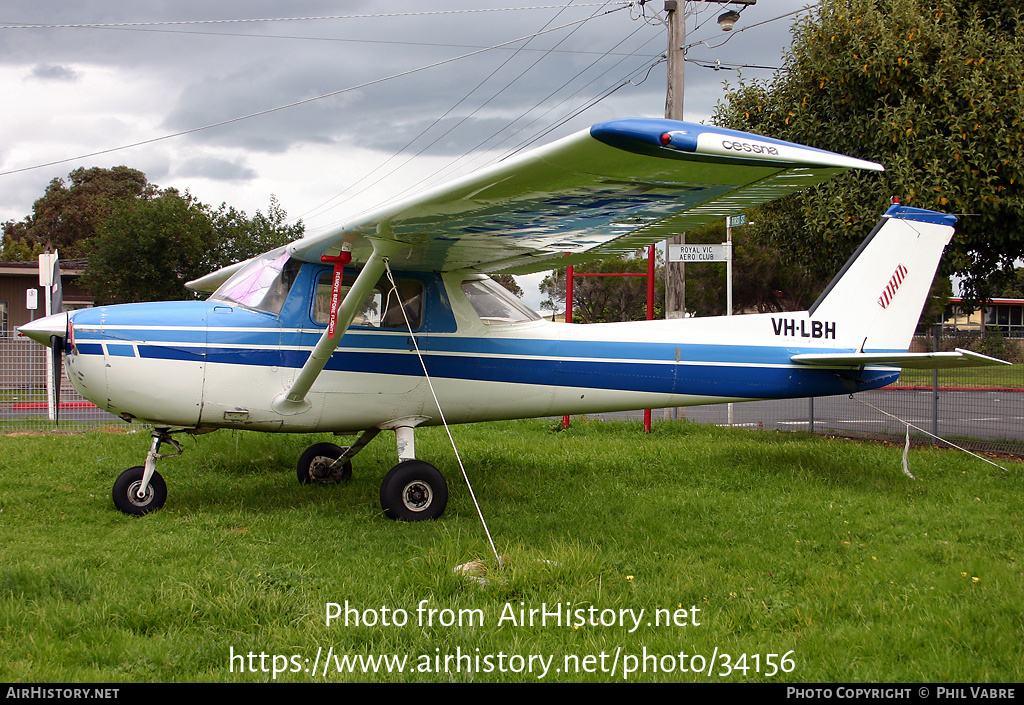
<point>127,484</point>
<point>314,463</point>
<point>414,491</point>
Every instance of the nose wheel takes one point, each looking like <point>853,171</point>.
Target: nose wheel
<point>141,490</point>
<point>129,499</point>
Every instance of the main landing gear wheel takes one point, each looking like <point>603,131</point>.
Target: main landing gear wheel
<point>413,491</point>
<point>126,489</point>
<point>315,465</point>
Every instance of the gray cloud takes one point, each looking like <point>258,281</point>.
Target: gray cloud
<point>54,72</point>
<point>215,168</point>
<point>194,75</point>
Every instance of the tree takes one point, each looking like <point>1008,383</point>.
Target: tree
<point>240,237</point>
<point>147,249</point>
<point>606,299</point>
<point>509,282</point>
<point>763,281</point>
<point>14,249</point>
<point>70,213</point>
<point>929,88</point>
<point>143,243</point>
<point>1014,288</point>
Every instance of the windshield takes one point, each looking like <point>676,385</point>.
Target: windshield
<point>263,284</point>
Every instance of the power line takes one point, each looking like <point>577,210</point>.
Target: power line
<point>739,31</point>
<point>606,92</point>
<point>349,40</point>
<point>165,23</point>
<point>437,176</point>
<point>431,126</point>
<point>722,66</point>
<point>296,103</point>
<point>585,107</point>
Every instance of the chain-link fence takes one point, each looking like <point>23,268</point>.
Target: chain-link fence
<point>974,412</point>
<point>23,395</point>
<point>981,408</point>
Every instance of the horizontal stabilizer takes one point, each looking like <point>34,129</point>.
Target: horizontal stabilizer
<point>926,361</point>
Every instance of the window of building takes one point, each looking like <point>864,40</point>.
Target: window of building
<point>1006,318</point>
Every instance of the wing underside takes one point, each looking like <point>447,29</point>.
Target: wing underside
<point>601,192</point>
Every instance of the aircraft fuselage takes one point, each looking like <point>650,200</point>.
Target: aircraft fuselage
<point>216,365</point>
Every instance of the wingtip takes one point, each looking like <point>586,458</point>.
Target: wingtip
<point>647,135</point>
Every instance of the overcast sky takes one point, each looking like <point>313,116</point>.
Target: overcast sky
<point>384,102</point>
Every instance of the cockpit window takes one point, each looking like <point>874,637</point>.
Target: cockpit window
<point>263,284</point>
<point>495,304</point>
<point>383,307</point>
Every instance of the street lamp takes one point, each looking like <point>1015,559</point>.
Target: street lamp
<point>727,20</point>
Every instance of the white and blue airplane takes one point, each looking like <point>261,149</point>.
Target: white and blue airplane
<point>339,331</point>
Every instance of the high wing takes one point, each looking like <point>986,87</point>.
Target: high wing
<point>925,361</point>
<point>601,192</point>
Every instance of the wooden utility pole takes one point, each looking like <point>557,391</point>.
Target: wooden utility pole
<point>675,272</point>
<point>676,60</point>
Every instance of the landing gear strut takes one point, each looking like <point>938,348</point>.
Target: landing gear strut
<point>141,490</point>
<point>412,491</point>
<point>328,464</point>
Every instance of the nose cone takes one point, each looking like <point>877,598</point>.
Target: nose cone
<point>41,330</point>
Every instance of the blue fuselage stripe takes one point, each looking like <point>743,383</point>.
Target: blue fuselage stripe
<point>705,370</point>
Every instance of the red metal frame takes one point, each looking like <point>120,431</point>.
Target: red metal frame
<point>570,275</point>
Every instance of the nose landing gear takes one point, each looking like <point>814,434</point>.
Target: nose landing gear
<point>141,490</point>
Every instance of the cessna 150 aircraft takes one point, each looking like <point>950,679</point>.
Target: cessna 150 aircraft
<point>339,331</point>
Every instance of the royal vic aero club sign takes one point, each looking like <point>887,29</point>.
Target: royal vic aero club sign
<point>698,253</point>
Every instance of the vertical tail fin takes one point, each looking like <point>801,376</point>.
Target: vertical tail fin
<point>880,292</point>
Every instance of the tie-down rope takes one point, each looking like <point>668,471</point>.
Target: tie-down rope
<point>906,447</point>
<point>430,384</point>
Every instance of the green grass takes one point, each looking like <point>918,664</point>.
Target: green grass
<point>787,544</point>
<point>1001,376</point>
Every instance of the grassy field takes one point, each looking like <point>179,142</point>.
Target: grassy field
<point>1002,376</point>
<point>772,557</point>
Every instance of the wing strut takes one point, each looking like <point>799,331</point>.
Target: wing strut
<point>294,400</point>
